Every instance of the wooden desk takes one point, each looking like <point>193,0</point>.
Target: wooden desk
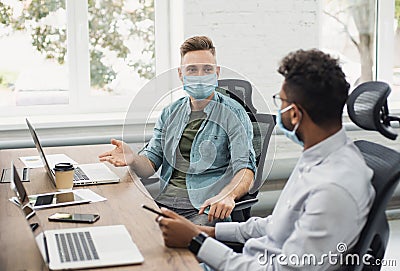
<point>18,250</point>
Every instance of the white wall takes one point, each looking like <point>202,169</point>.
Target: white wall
<point>252,36</point>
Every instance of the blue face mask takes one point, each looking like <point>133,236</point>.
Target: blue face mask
<point>200,87</point>
<point>289,134</point>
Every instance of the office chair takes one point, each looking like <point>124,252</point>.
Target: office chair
<point>263,125</point>
<point>367,107</point>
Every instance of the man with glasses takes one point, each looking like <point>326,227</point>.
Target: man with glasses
<point>325,203</point>
<point>202,142</point>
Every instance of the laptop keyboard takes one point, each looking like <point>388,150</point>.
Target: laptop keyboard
<point>76,246</point>
<point>79,175</point>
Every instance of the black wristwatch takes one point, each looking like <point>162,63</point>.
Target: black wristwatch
<point>196,243</point>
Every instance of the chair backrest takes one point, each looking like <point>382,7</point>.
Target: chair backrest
<point>263,124</point>
<point>239,90</point>
<point>385,164</point>
<point>367,107</point>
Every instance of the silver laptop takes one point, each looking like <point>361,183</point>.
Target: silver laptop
<point>79,248</point>
<point>85,174</point>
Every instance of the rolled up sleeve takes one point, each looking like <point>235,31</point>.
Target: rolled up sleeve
<point>154,151</point>
<point>241,142</point>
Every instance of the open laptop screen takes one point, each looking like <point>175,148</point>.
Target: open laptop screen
<point>21,194</point>
<point>40,150</point>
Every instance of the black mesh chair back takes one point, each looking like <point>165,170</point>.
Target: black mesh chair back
<point>239,90</point>
<point>375,234</point>
<point>263,126</point>
<point>367,107</point>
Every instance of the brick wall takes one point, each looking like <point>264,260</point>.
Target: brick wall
<point>252,36</point>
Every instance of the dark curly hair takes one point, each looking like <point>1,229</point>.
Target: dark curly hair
<point>315,81</point>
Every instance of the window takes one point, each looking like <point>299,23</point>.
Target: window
<point>73,56</point>
<point>365,35</point>
<point>395,96</point>
<point>121,45</point>
<point>348,32</point>
<point>33,51</point>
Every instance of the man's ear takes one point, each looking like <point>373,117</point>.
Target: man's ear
<point>218,71</point>
<point>295,114</point>
<point>180,74</point>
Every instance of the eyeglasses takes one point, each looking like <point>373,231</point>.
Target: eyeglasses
<point>199,69</point>
<point>278,100</point>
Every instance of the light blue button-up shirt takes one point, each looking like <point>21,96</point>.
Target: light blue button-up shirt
<point>321,210</point>
<point>222,146</point>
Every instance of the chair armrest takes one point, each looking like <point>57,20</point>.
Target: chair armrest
<point>149,181</point>
<point>243,204</point>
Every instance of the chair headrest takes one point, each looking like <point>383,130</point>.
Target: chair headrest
<point>367,107</point>
<point>239,90</point>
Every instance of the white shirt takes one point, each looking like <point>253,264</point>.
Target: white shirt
<point>324,204</point>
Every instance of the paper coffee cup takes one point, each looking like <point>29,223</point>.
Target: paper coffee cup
<point>64,176</point>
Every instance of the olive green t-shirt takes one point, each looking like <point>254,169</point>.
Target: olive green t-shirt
<point>177,184</point>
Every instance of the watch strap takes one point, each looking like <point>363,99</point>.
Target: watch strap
<point>196,243</point>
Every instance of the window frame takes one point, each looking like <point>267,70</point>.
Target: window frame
<point>384,50</point>
<point>80,100</point>
<point>384,57</point>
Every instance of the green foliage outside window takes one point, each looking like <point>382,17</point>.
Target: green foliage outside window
<point>106,35</point>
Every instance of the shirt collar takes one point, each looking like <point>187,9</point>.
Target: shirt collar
<point>209,106</point>
<point>320,151</point>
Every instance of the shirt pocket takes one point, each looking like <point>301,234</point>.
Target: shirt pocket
<point>214,149</point>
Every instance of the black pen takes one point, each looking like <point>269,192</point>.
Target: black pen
<point>154,211</point>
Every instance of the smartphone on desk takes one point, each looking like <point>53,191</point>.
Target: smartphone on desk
<point>76,218</point>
